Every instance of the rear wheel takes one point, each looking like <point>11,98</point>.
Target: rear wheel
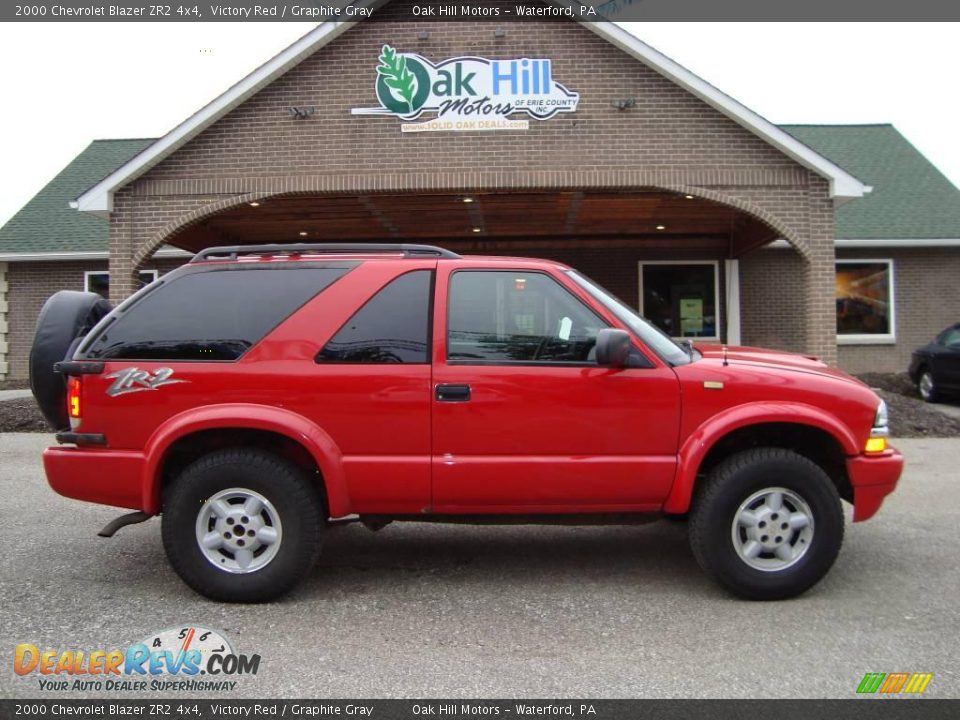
<point>767,524</point>
<point>242,525</point>
<point>926,387</point>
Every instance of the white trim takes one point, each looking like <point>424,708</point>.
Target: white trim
<point>716,293</point>
<point>99,198</point>
<point>66,255</point>
<point>873,339</point>
<point>731,269</point>
<point>847,243</point>
<point>842,183</point>
<point>88,273</point>
<point>166,252</point>
<point>876,244</point>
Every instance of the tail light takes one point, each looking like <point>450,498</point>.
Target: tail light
<point>73,398</point>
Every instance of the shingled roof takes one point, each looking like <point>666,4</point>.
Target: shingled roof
<point>911,198</point>
<point>47,224</point>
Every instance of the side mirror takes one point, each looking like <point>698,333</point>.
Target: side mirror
<point>613,348</point>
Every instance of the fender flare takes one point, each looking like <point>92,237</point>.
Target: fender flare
<point>704,438</point>
<point>256,417</point>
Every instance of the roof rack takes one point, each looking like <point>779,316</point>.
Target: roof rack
<point>232,252</point>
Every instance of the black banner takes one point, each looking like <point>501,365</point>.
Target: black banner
<point>501,11</point>
<point>858,709</point>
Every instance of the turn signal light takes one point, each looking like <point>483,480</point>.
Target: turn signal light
<point>73,397</point>
<point>876,445</point>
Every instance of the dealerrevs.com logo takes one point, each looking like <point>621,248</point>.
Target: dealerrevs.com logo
<point>188,659</point>
<point>894,683</point>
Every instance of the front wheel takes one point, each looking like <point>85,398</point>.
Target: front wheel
<point>767,524</point>
<point>242,525</point>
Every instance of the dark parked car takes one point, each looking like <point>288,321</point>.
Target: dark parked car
<point>935,368</point>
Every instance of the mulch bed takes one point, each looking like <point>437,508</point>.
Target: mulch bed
<point>909,415</point>
<point>22,416</point>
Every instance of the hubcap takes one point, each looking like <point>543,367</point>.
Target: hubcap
<point>772,529</point>
<point>926,386</point>
<point>238,530</point>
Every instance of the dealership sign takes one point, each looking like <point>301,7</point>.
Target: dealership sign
<point>467,93</point>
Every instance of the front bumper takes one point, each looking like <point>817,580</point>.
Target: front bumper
<point>107,477</point>
<point>873,477</point>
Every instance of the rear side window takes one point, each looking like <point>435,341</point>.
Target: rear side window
<point>392,327</point>
<point>212,315</point>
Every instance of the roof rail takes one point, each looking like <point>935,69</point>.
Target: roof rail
<point>232,252</point>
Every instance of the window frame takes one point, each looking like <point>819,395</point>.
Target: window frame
<point>87,274</point>
<point>513,363</point>
<point>716,296</point>
<point>431,294</point>
<point>863,338</point>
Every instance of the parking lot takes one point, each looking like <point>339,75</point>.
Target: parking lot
<point>423,610</point>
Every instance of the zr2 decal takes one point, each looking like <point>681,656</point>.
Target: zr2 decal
<point>130,380</point>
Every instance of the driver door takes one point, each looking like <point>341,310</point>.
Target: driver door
<point>524,420</point>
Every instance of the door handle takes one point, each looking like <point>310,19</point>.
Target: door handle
<point>453,393</point>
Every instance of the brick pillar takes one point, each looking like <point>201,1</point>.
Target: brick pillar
<point>820,281</point>
<point>122,272</point>
<point>123,281</point>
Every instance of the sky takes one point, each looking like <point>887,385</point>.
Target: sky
<point>66,84</point>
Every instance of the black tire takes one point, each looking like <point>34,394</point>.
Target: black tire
<point>731,484</point>
<point>65,317</point>
<point>926,387</point>
<point>293,497</point>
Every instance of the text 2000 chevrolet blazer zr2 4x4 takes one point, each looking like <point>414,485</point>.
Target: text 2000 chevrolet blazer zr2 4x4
<point>257,394</point>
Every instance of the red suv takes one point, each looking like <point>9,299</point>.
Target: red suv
<point>259,393</point>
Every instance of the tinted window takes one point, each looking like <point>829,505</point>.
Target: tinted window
<point>504,317</point>
<point>213,315</point>
<point>392,327</point>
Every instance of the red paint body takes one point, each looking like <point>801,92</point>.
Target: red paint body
<point>532,439</point>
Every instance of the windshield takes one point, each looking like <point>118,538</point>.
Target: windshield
<point>650,334</point>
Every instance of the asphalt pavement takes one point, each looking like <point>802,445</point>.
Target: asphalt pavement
<point>421,610</point>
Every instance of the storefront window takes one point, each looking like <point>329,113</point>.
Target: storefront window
<point>681,298</point>
<point>99,281</point>
<point>864,294</point>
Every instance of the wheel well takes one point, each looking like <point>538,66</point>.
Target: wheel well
<point>811,442</point>
<point>191,447</point>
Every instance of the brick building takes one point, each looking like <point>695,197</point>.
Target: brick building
<point>842,241</point>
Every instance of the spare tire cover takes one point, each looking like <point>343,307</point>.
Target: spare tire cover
<point>65,316</point>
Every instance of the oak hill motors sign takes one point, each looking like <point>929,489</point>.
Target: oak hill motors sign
<point>467,93</point>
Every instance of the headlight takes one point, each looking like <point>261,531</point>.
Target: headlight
<point>877,442</point>
<point>881,422</point>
